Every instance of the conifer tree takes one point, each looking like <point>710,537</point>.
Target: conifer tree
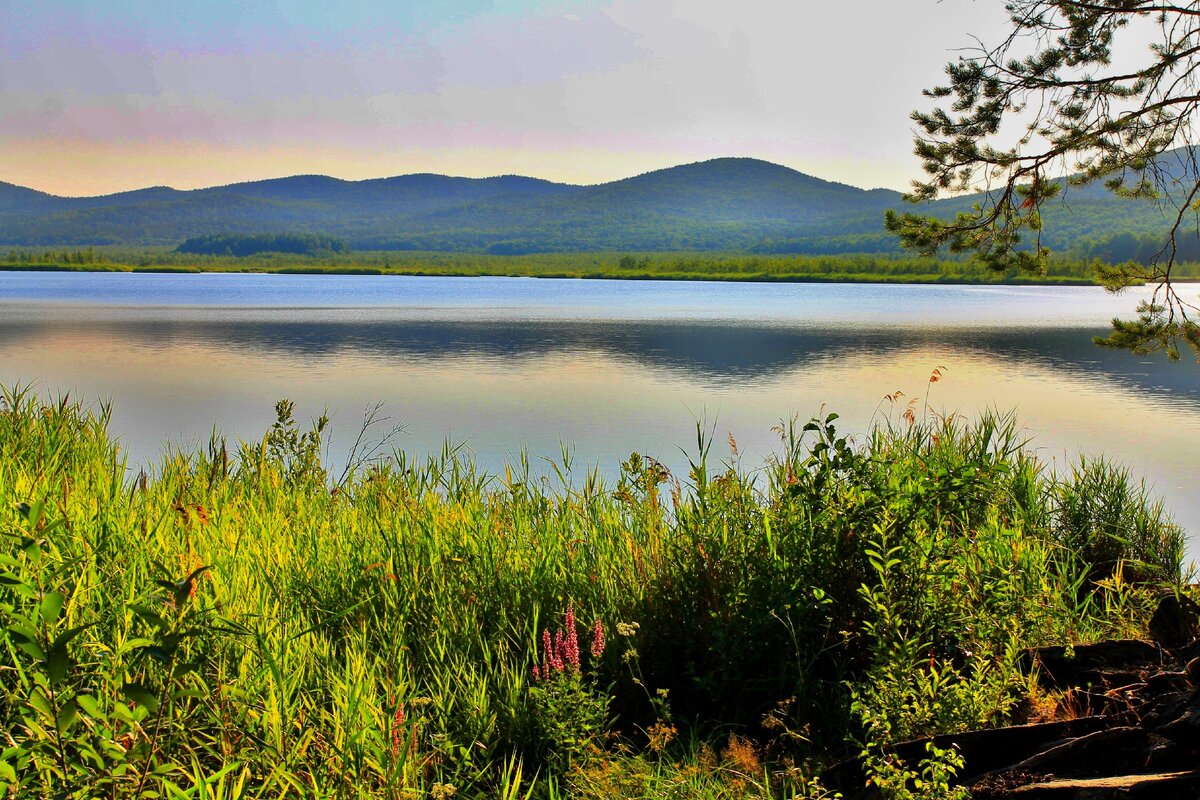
<point>1096,90</point>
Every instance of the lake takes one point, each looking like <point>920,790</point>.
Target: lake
<point>600,367</point>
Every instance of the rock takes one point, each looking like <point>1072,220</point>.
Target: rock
<point>1119,662</point>
<point>1176,620</point>
<point>1098,753</point>
<point>1140,740</point>
<point>1183,785</point>
<point>1081,702</point>
<point>982,751</point>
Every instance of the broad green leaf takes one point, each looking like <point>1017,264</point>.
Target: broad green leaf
<point>57,665</point>
<point>184,668</point>
<point>141,695</point>
<point>149,615</point>
<point>159,654</point>
<point>90,706</point>
<point>89,753</point>
<point>39,703</point>
<point>29,646</point>
<point>134,644</point>
<point>52,605</point>
<point>68,715</point>
<point>31,512</point>
<point>66,636</point>
<point>33,550</point>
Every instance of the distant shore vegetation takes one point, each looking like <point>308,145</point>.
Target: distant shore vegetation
<point>249,244</point>
<point>317,254</point>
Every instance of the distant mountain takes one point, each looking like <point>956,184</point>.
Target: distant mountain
<point>723,204</point>
<point>18,199</point>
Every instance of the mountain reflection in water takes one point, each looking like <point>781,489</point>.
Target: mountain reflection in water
<point>604,388</point>
<point>709,354</point>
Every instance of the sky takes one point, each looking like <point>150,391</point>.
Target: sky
<point>99,97</point>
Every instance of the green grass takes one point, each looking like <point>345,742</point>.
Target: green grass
<point>237,622</point>
<point>857,268</point>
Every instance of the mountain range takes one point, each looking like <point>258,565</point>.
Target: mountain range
<point>727,204</point>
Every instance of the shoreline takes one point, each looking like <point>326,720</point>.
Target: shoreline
<point>848,277</point>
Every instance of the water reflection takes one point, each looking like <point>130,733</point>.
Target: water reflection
<point>605,388</point>
<point>709,354</point>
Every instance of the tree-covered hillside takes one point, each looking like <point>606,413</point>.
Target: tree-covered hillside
<point>727,204</point>
<point>249,244</point>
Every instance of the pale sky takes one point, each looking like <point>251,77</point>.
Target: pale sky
<point>97,97</point>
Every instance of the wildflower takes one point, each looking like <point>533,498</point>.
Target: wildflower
<point>742,756</point>
<point>598,639</point>
<point>560,649</point>
<point>627,628</point>
<point>553,660</point>
<point>397,725</point>
<point>443,791</point>
<point>571,640</point>
<point>660,735</point>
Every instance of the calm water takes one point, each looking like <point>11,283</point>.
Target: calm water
<point>606,367</point>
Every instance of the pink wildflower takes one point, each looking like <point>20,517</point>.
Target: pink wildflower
<point>560,649</point>
<point>397,725</point>
<point>553,659</point>
<point>598,639</point>
<point>570,652</point>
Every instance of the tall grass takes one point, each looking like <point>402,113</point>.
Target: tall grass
<point>237,623</point>
<point>842,267</point>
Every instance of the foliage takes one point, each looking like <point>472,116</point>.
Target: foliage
<point>240,626</point>
<point>249,244</point>
<point>844,267</point>
<point>570,714</point>
<point>931,780</point>
<point>1060,93</point>
<point>1107,519</point>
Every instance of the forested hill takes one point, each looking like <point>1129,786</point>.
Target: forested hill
<point>724,204</point>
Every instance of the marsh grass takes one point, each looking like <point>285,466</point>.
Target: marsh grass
<point>738,267</point>
<point>235,622</point>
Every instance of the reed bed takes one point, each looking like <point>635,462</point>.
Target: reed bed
<point>238,622</point>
